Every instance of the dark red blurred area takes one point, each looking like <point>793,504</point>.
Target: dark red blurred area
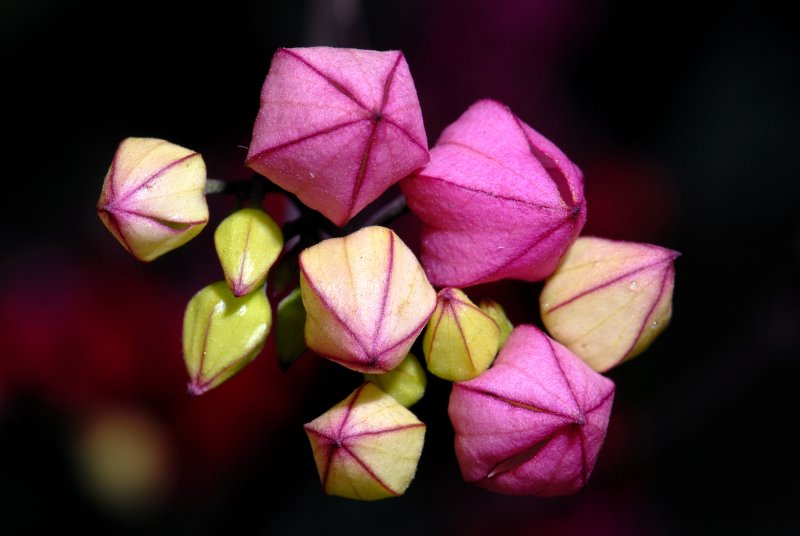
<point>683,119</point>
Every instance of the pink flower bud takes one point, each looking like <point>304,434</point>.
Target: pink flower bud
<point>497,201</point>
<point>608,300</point>
<point>367,446</point>
<point>366,299</point>
<point>533,424</point>
<point>337,127</point>
<point>153,197</point>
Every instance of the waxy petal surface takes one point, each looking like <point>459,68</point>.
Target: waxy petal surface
<point>337,127</point>
<point>461,340</point>
<point>247,242</point>
<point>366,299</point>
<point>366,447</point>
<point>608,300</point>
<point>533,424</point>
<point>497,201</point>
<point>153,197</point>
<point>222,334</point>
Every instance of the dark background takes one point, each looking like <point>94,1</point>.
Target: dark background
<point>684,119</point>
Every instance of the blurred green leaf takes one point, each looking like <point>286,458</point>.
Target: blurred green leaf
<point>289,326</point>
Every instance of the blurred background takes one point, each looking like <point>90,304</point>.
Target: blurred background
<point>683,119</point>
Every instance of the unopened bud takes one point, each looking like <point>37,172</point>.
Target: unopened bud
<point>533,424</point>
<point>461,340</point>
<point>153,197</point>
<point>608,300</point>
<point>498,314</point>
<point>405,383</point>
<point>222,334</point>
<point>366,299</point>
<point>367,446</point>
<point>248,242</point>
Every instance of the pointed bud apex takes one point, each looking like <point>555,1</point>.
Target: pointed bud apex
<point>405,383</point>
<point>366,447</point>
<point>222,334</point>
<point>461,340</point>
<point>608,300</point>
<point>248,242</point>
<point>337,127</point>
<point>153,198</point>
<point>366,298</point>
<point>496,313</point>
<point>498,200</point>
<point>289,341</point>
<point>534,423</point>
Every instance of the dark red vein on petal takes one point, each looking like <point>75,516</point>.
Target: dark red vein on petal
<point>369,471</point>
<point>385,298</point>
<point>463,336</point>
<point>348,411</point>
<point>524,251</point>
<point>518,459</point>
<point>197,383</point>
<point>515,403</point>
<point>584,461</point>
<point>493,195</point>
<point>153,177</point>
<point>391,122</point>
<point>362,170</point>
<point>264,152</point>
<point>332,310</point>
<point>386,431</point>
<point>647,318</point>
<point>553,170</point>
<point>243,260</point>
<point>111,176</point>
<point>607,283</point>
<point>338,86</point>
<point>120,234</point>
<point>176,227</point>
<point>578,408</point>
<point>602,401</point>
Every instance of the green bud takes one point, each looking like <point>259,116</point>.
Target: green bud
<point>289,340</point>
<point>248,242</point>
<point>460,341</point>
<point>405,383</point>
<point>496,313</point>
<point>222,334</point>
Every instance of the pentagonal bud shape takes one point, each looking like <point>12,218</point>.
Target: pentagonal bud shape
<point>153,197</point>
<point>533,424</point>
<point>248,242</point>
<point>405,383</point>
<point>222,334</point>
<point>497,201</point>
<point>461,340</point>
<point>366,299</point>
<point>367,446</point>
<point>498,314</point>
<point>337,127</point>
<point>608,300</point>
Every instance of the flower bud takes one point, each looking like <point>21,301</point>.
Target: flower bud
<point>497,201</point>
<point>248,242</point>
<point>461,340</point>
<point>498,314</point>
<point>153,197</point>
<point>222,334</point>
<point>533,424</point>
<point>366,299</point>
<point>367,446</point>
<point>405,383</point>
<point>608,300</point>
<point>337,127</point>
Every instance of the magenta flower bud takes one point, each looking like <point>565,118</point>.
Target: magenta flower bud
<point>497,201</point>
<point>366,299</point>
<point>153,197</point>
<point>608,300</point>
<point>533,424</point>
<point>337,127</point>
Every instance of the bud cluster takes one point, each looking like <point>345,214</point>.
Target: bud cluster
<point>496,199</point>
